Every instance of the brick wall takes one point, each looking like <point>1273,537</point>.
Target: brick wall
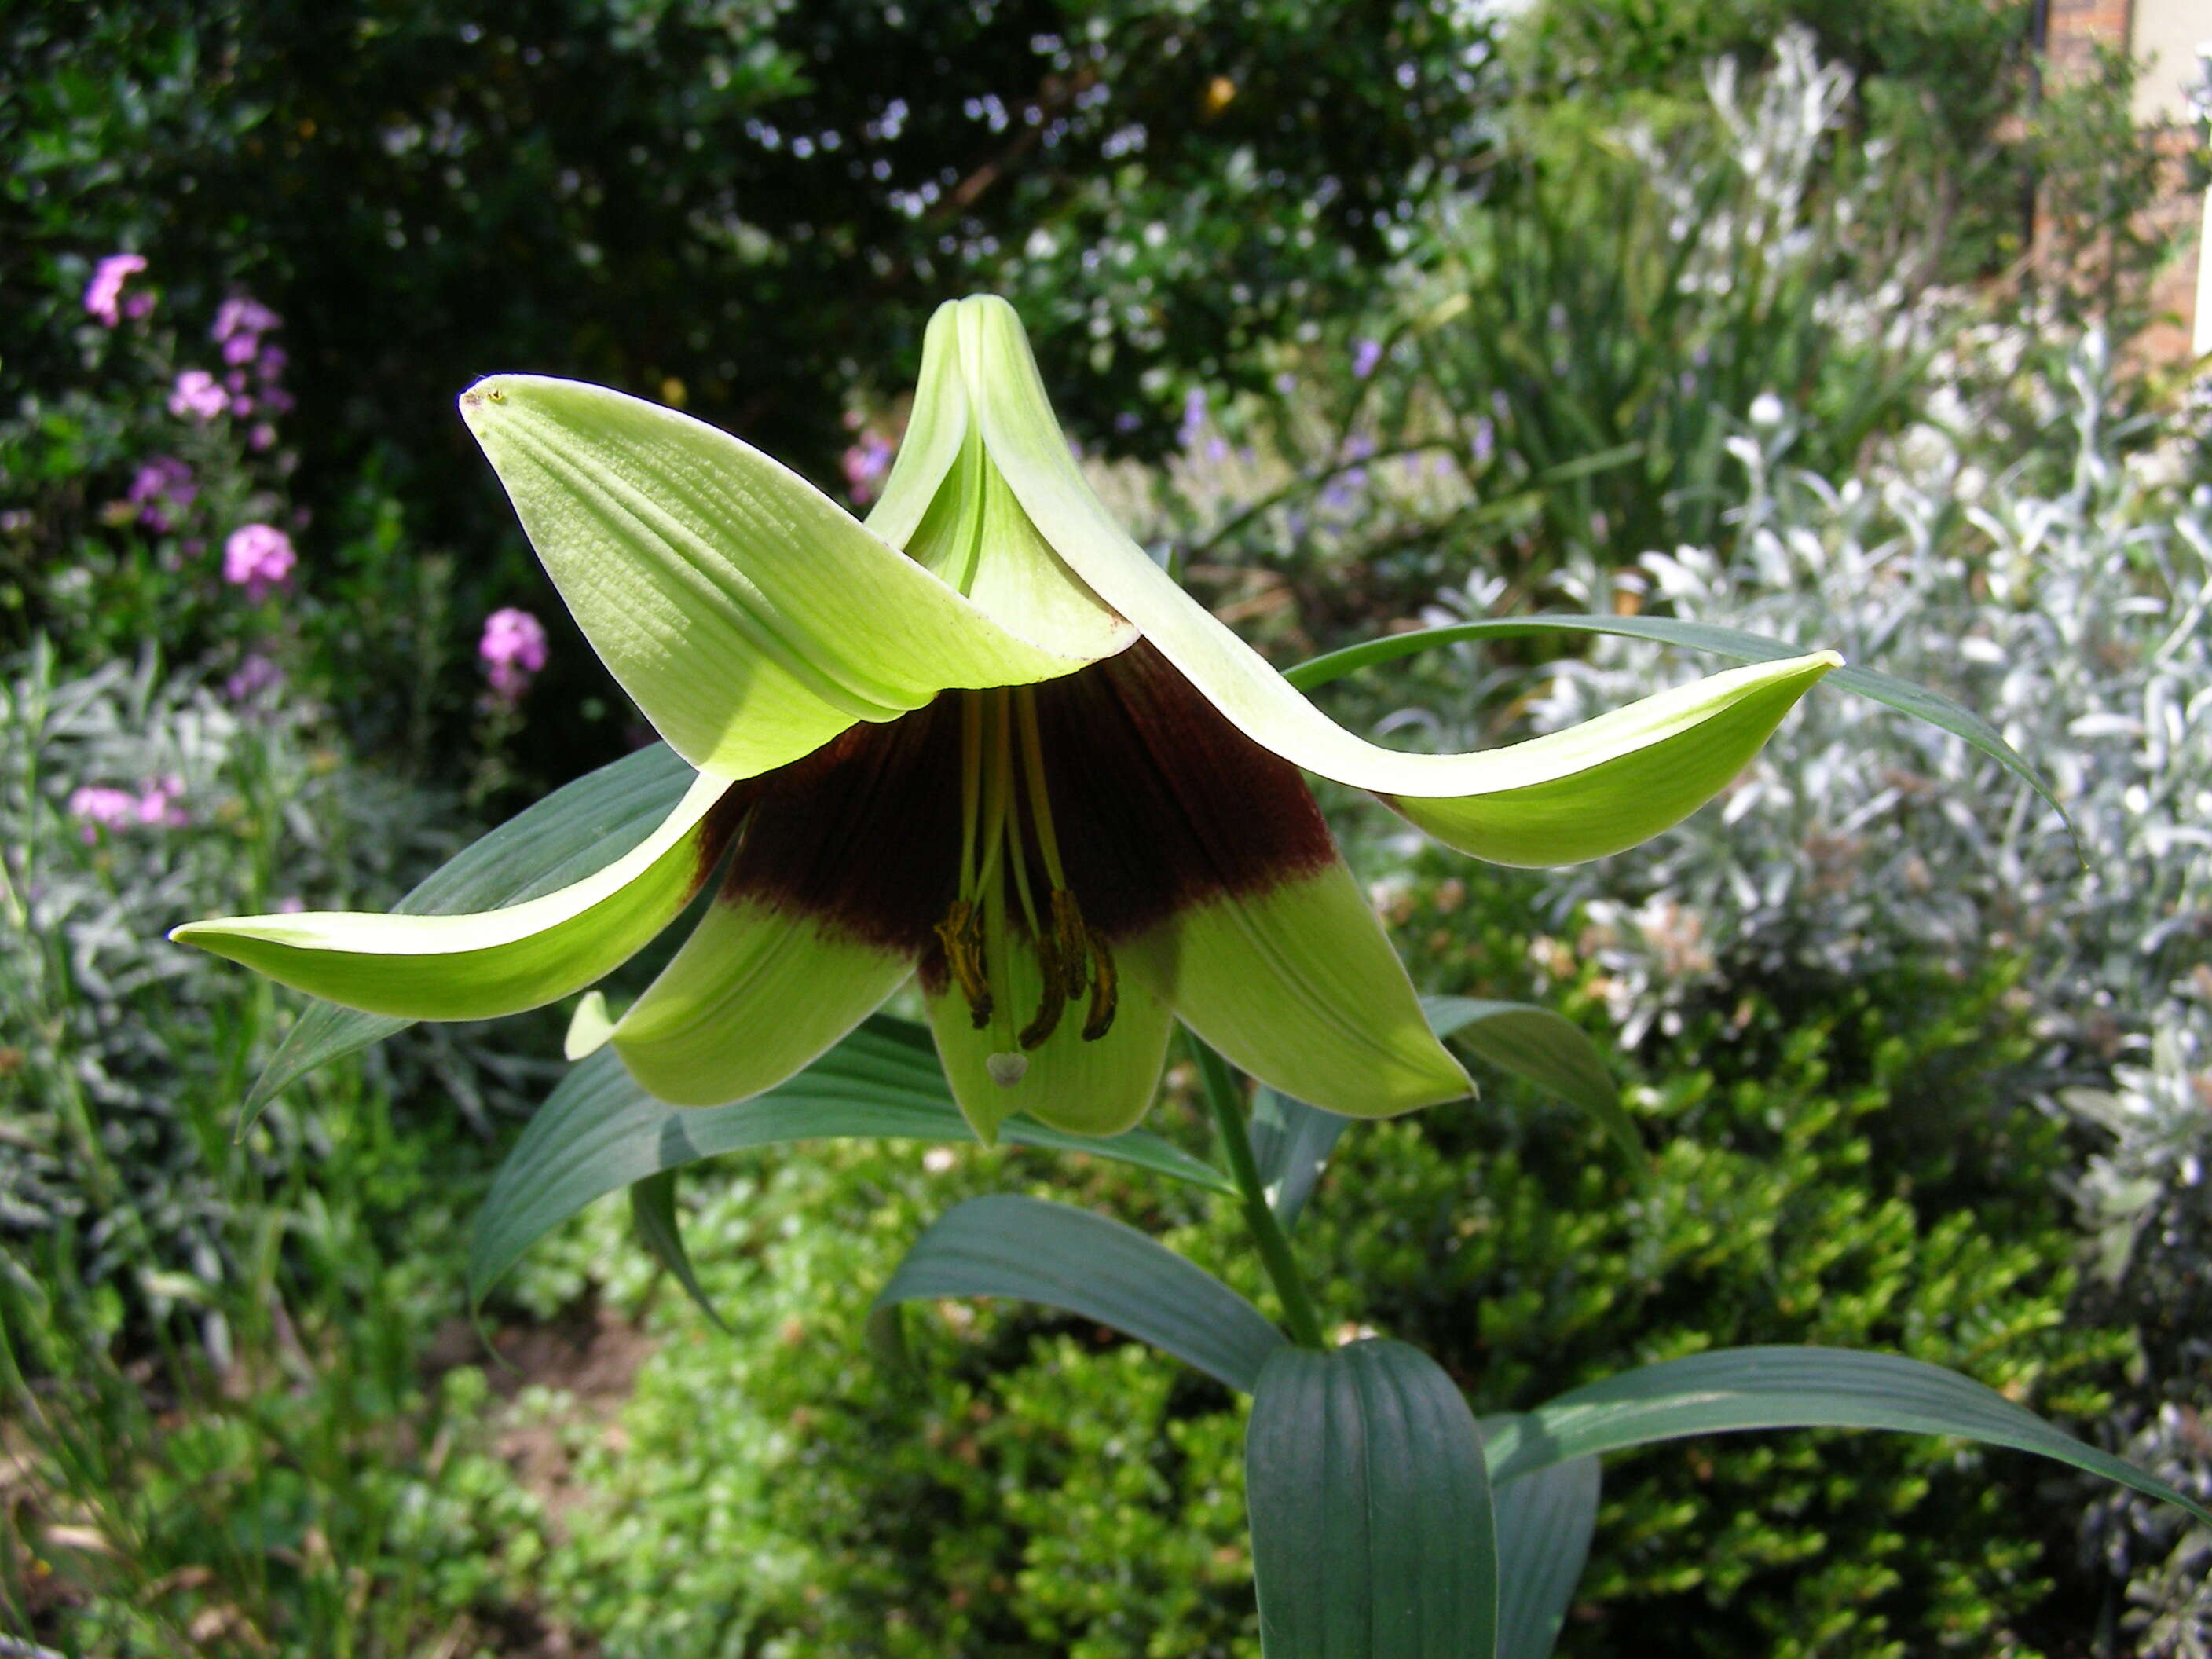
<point>2075,28</point>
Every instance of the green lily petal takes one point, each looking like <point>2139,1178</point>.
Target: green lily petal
<point>756,993</point>
<point>1094,1088</point>
<point>1622,777</point>
<point>750,617</point>
<point>493,962</point>
<point>936,431</point>
<point>1557,799</point>
<point>1299,987</point>
<point>951,509</point>
<point>589,1027</point>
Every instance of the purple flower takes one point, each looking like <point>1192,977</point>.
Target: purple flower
<point>264,436</point>
<point>98,807</point>
<point>138,306</point>
<point>158,804</point>
<point>1485,440</point>
<point>162,491</point>
<point>1194,416</point>
<point>241,317</point>
<point>255,675</point>
<point>197,394</point>
<point>240,348</point>
<point>258,558</point>
<point>103,294</point>
<point>272,362</point>
<point>513,649</point>
<point>1365,357</point>
<point>866,463</point>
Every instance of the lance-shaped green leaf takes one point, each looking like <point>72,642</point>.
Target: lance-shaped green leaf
<point>1547,1049</point>
<point>652,1212</point>
<point>1372,1536</point>
<point>490,962</point>
<point>1559,798</point>
<point>1788,1388</point>
<point>600,1131</point>
<point>1887,689</point>
<point>1545,1520</point>
<point>579,828</point>
<point>750,617</point>
<point>1067,1258</point>
<point>1290,1145</point>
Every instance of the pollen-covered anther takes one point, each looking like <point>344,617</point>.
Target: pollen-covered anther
<point>1104,988</point>
<point>961,933</point>
<point>1053,971</point>
<point>1070,941</point>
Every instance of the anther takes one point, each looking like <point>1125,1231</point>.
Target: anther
<point>1072,943</point>
<point>1054,972</point>
<point>961,933</point>
<point>1103,989</point>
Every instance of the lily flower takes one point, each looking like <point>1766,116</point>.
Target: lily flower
<point>982,738</point>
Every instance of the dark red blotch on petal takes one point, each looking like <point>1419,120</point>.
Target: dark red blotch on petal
<point>1160,805</point>
<point>864,834</point>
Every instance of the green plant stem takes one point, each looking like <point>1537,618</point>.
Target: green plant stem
<point>1227,1101</point>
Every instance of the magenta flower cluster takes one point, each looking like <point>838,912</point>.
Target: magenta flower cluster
<point>103,294</point>
<point>163,492</point>
<point>197,395</point>
<point>252,383</point>
<point>255,675</point>
<point>513,651</point>
<point>98,807</point>
<point>258,558</point>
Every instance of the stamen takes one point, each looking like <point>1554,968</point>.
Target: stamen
<point>961,932</point>
<point>1070,957</point>
<point>1071,942</point>
<point>971,786</point>
<point>1104,987</point>
<point>999,956</point>
<point>1054,973</point>
<point>1040,797</point>
<point>995,779</point>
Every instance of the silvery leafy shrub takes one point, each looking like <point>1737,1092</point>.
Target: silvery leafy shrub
<point>2072,620</point>
<point>131,799</point>
<point>2066,598</point>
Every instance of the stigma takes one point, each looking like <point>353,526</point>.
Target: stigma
<point>1013,905</point>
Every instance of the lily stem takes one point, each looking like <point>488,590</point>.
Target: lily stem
<point>1227,1101</point>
